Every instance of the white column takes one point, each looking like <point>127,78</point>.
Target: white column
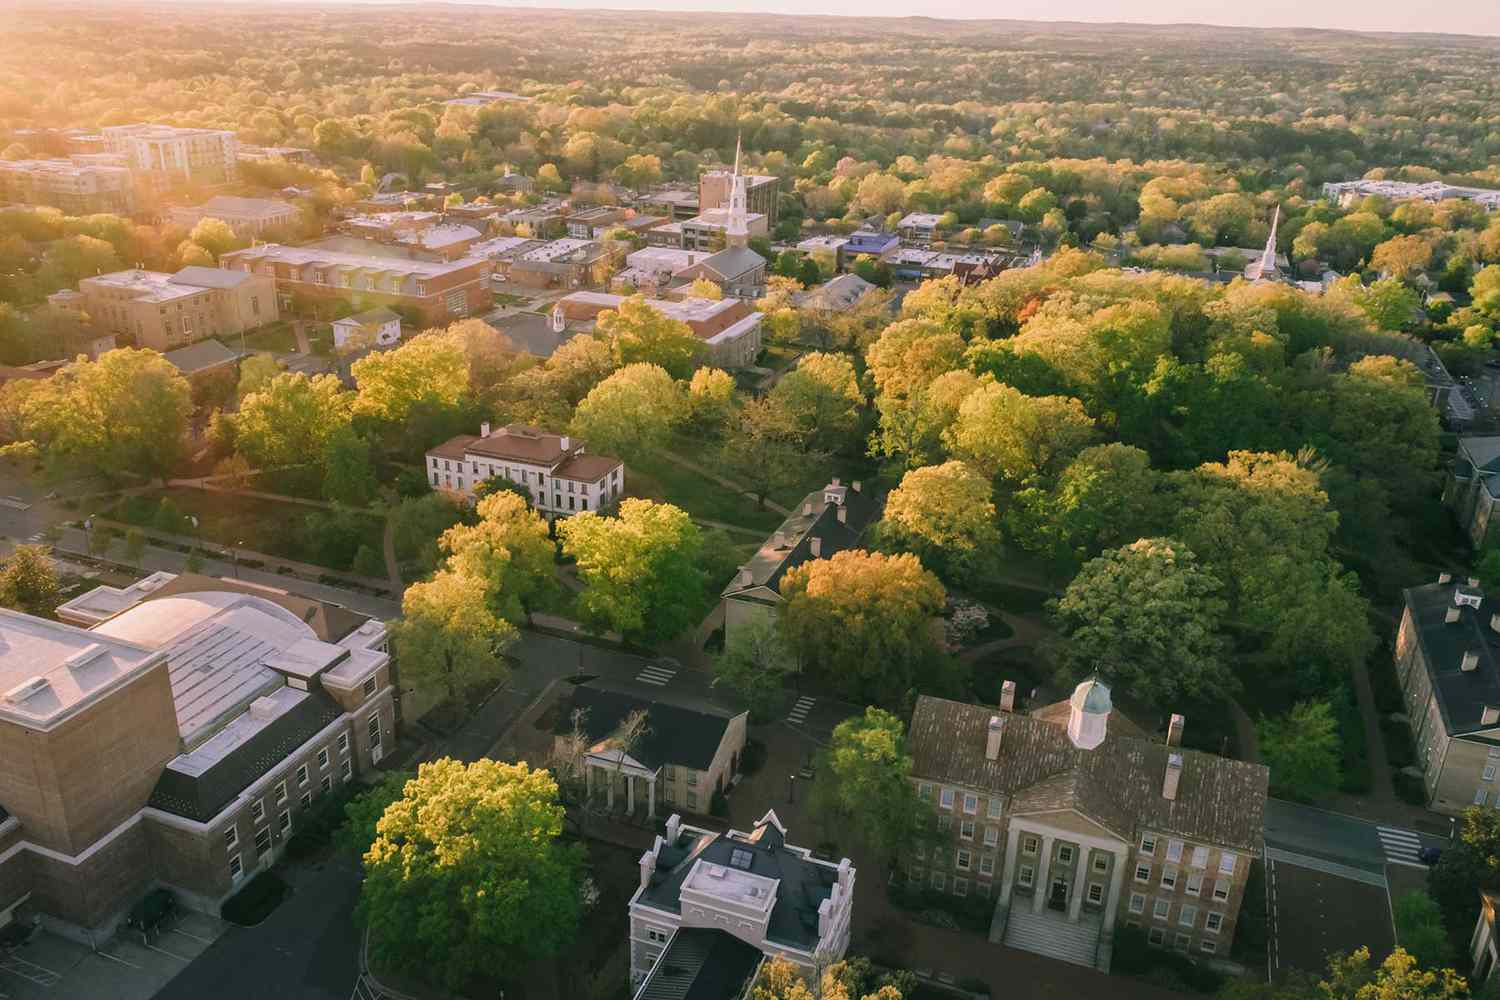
<point>1009,862</point>
<point>651,802</point>
<point>588,780</point>
<point>1043,872</point>
<point>1116,880</point>
<point>610,788</point>
<point>630,793</point>
<point>1077,885</point>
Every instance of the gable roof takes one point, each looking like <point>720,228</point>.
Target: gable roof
<point>202,356</point>
<point>731,262</point>
<point>1219,801</point>
<point>675,734</point>
<point>378,316</point>
<point>702,963</point>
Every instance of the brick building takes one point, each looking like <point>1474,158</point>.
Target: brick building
<point>248,217</point>
<point>172,733</point>
<point>76,186</point>
<point>163,156</point>
<point>729,329</point>
<point>166,311</point>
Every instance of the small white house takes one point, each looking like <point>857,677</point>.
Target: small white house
<point>379,327</point>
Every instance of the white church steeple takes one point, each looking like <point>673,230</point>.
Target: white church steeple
<point>1264,269</point>
<point>737,230</point>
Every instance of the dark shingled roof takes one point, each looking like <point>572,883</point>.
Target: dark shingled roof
<point>805,883</point>
<point>201,797</point>
<point>771,562</point>
<point>1119,784</point>
<point>683,737</point>
<point>702,963</point>
<point>1461,694</point>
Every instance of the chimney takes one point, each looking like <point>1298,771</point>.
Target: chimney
<point>837,480</point>
<point>1445,578</point>
<point>815,545</point>
<point>1473,581</point>
<point>807,510</point>
<point>674,827</point>
<point>843,515</point>
<point>1008,696</point>
<point>1451,615</point>
<point>1174,775</point>
<point>992,738</point>
<point>858,486</point>
<point>1489,716</point>
<point>565,443</point>
<point>484,429</point>
<point>1174,730</point>
<point>1470,662</point>
<point>648,862</point>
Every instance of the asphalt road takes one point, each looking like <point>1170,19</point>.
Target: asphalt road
<point>1322,838</point>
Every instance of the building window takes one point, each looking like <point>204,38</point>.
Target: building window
<point>302,776</point>
<point>986,864</point>
<point>1200,857</point>
<point>322,758</point>
<point>1221,889</point>
<point>284,821</point>
<point>960,887</point>
<point>1160,909</point>
<point>945,798</point>
<point>1208,947</point>
<point>1168,877</point>
<point>1479,796</point>
<point>236,868</point>
<point>263,841</point>
<point>945,823</point>
<point>991,836</point>
<point>343,743</point>
<point>983,889</point>
<point>1101,862</point>
<point>966,829</point>
<point>971,803</point>
<point>1194,883</point>
<point>1024,876</point>
<point>1096,892</point>
<point>306,799</point>
<point>1213,921</point>
<point>374,729</point>
<point>346,769</point>
<point>993,809</point>
<point>327,783</point>
<point>692,777</point>
<point>258,810</point>
<point>1065,853</point>
<point>369,688</point>
<point>692,800</point>
<point>1489,773</point>
<point>1137,903</point>
<point>1187,916</point>
<point>924,791</point>
<point>963,861</point>
<point>1226,863</point>
<point>232,837</point>
<point>1148,843</point>
<point>1029,844</point>
<point>1143,873</point>
<point>1174,851</point>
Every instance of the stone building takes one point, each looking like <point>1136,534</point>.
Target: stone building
<point>167,311</point>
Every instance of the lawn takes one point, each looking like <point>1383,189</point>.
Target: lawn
<point>814,475</point>
<point>702,498</point>
<point>276,337</point>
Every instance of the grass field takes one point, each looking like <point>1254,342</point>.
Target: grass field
<point>659,479</point>
<point>276,336</point>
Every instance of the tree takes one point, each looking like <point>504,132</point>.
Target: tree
<point>761,452</point>
<point>448,635</point>
<point>779,979</point>
<point>639,570</point>
<point>753,665</point>
<point>431,367</point>
<point>1350,977</point>
<point>256,372</point>
<point>467,870</point>
<point>819,401</point>
<point>1379,425</point>
<point>712,401</point>
<point>862,622</point>
<point>1419,928</point>
<point>28,581</point>
<point>1402,257</point>
<point>1388,303</point>
<point>910,354</point>
<point>509,549</point>
<point>1015,437</point>
<point>945,515</point>
<point>348,468</point>
<point>1303,752</point>
<point>1137,607</point>
<point>703,288</point>
<point>864,785</point>
<point>630,413</point>
<point>215,236</point>
<point>135,546</point>
<point>641,334</point>
<point>292,419</point>
<point>1104,498</point>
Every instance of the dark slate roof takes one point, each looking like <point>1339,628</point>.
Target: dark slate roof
<point>731,262</point>
<point>676,735</point>
<point>702,963</point>
<point>1119,784</point>
<point>771,562</point>
<point>201,797</point>
<point>1461,694</point>
<point>329,622</point>
<point>804,883</point>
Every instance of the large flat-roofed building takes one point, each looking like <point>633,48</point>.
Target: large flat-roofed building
<point>732,894</point>
<point>1074,819</point>
<point>442,291</point>
<point>1448,663</point>
<point>729,329</point>
<point>761,191</point>
<point>164,155</point>
<point>78,188</point>
<point>172,733</point>
<point>166,311</point>
<point>709,230</point>
<point>1348,192</point>
<point>562,478</point>
<point>424,233</point>
<point>564,263</point>
<point>248,217</point>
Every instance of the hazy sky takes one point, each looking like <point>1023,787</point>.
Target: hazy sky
<point>1467,17</point>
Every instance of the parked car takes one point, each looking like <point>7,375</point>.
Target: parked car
<point>1429,855</point>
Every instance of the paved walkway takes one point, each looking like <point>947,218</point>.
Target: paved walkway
<point>388,542</point>
<point>1244,731</point>
<point>1026,632</point>
<point>727,483</point>
<point>1382,788</point>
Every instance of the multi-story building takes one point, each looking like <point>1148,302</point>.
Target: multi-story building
<point>564,263</point>
<point>1072,819</point>
<point>163,156</point>
<point>442,291</point>
<point>709,230</point>
<point>761,192</point>
<point>677,204</point>
<point>723,902</point>
<point>173,733</point>
<point>829,520</point>
<point>837,295</point>
<point>424,233</point>
<point>248,217</point>
<point>1470,491</point>
<point>738,271</point>
<point>1448,663</point>
<point>919,225</point>
<point>562,477</point>
<point>165,311</point>
<point>1348,192</point>
<point>872,242</point>
<point>729,329</point>
<point>378,327</point>
<point>74,185</point>
<point>652,269</point>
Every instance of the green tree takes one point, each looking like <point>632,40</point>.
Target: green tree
<point>468,869</point>
<point>348,468</point>
<point>641,334</point>
<point>819,401</point>
<point>1303,751</point>
<point>135,546</point>
<point>1351,977</point>
<point>761,453</point>
<point>448,635</point>
<point>1105,498</point>
<point>753,665</point>
<point>1389,304</point>
<point>292,419</point>
<point>1402,257</point>
<point>215,236</point>
<point>1419,928</point>
<point>256,372</point>
<point>28,581</point>
<point>864,785</point>
<point>945,515</point>
<point>1015,437</point>
<point>509,549</point>
<point>712,401</point>
<point>1136,607</point>
<point>432,367</point>
<point>861,622</point>
<point>630,413</point>
<point>640,570</point>
<point>362,813</point>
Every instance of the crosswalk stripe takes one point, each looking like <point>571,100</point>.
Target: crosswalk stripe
<point>656,676</point>
<point>799,711</point>
<point>1326,867</point>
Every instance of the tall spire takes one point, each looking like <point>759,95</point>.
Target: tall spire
<point>1265,268</point>
<point>737,230</point>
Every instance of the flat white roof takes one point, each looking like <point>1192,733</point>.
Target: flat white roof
<point>238,731</point>
<point>732,885</point>
<point>302,256</point>
<point>557,248</point>
<point>49,670</point>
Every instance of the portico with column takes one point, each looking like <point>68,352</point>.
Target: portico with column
<point>607,770</point>
<point>1064,854</point>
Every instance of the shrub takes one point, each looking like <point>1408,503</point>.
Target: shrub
<point>754,757</point>
<point>1409,788</point>
<point>718,804</point>
<point>318,823</point>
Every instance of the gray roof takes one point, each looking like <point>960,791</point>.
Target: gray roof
<point>837,294</point>
<point>202,356</point>
<point>732,262</point>
<point>1478,453</point>
<point>1461,694</point>
<point>373,317</point>
<point>261,208</point>
<point>772,561</point>
<point>210,277</point>
<point>533,333</point>
<point>1118,785</point>
<point>675,734</point>
<point>702,963</point>
<point>805,883</point>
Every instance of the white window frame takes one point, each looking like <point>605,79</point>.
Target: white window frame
<point>236,868</point>
<point>1137,902</point>
<point>1156,936</point>
<point>1100,862</point>
<point>1187,916</point>
<point>324,758</point>
<point>1489,773</point>
<point>1096,893</point>
<point>986,864</point>
<point>231,837</point>
<point>1065,854</point>
<point>924,791</point>
<point>284,820</point>
<point>991,836</point>
<point>971,803</point>
<point>964,861</point>
<point>281,791</point>
<point>1030,843</point>
<point>302,776</point>
<point>1480,795</point>
<point>1208,947</point>
<point>1221,888</point>
<point>1200,857</point>
<point>966,829</point>
<point>1148,843</point>
<point>1227,862</point>
<point>992,808</point>
<point>1174,851</point>
<point>1182,942</point>
<point>257,810</point>
<point>346,769</point>
<point>1194,884</point>
<point>270,847</point>
<point>1212,922</point>
<point>1143,872</point>
<point>960,887</point>
<point>945,798</point>
<point>1168,877</point>
<point>1161,909</point>
<point>326,783</point>
<point>1025,876</point>
<point>343,742</point>
<point>939,881</point>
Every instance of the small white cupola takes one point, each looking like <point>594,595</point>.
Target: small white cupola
<point>1088,714</point>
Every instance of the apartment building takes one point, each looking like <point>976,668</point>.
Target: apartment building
<point>1448,663</point>
<point>562,477</point>
<point>729,329</point>
<point>248,217</point>
<point>828,520</point>
<point>652,269</point>
<point>172,733</point>
<point>685,754</point>
<point>424,233</point>
<point>76,186</point>
<point>715,188</point>
<point>1072,819</point>
<point>712,906</point>
<point>710,229</point>
<point>1348,192</point>
<point>1470,490</point>
<point>442,291</point>
<point>162,156</point>
<point>166,311</point>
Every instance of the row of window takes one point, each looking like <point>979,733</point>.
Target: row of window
<point>1197,857</point>
<point>947,798</point>
<point>1171,876</point>
<point>1187,913</point>
<point>1157,937</point>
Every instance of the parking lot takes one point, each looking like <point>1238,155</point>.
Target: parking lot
<point>51,967</point>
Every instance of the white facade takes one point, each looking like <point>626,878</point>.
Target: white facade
<point>383,333</point>
<point>563,480</point>
<point>165,153</point>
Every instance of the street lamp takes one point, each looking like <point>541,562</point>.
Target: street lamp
<point>235,553</point>
<point>791,788</point>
